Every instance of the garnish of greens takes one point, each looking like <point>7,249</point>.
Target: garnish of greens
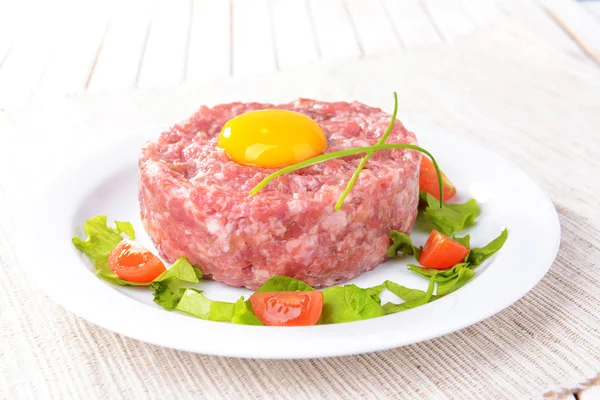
<point>453,217</point>
<point>370,150</point>
<point>100,242</point>
<point>401,242</point>
<point>340,303</point>
<point>168,288</point>
<point>448,280</point>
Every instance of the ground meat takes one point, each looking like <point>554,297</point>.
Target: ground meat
<point>194,200</point>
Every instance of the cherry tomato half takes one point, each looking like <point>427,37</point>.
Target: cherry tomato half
<point>288,308</point>
<point>428,181</point>
<point>134,264</point>
<point>441,252</point>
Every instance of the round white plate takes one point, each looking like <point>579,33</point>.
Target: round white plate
<point>106,183</point>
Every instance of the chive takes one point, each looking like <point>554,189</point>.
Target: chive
<point>370,150</point>
<point>345,153</point>
<point>363,162</point>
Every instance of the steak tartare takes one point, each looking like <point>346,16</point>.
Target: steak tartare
<point>194,199</point>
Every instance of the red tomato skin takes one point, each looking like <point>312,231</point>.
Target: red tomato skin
<point>133,264</point>
<point>288,308</point>
<point>441,252</point>
<point>428,181</point>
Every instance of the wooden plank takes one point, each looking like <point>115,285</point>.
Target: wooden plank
<point>25,63</point>
<point>450,18</point>
<point>11,16</point>
<point>77,47</point>
<point>412,23</point>
<point>119,59</point>
<point>482,12</point>
<point>594,8</point>
<point>209,52</point>
<point>295,41</point>
<point>164,60</point>
<point>539,22</point>
<point>578,22</point>
<point>373,28</point>
<point>253,48</point>
<point>336,37</point>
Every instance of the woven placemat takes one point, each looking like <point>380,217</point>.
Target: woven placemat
<point>501,88</point>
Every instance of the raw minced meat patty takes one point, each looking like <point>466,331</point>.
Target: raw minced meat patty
<point>194,200</point>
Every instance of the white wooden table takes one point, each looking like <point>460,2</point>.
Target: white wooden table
<point>50,48</point>
<point>62,47</point>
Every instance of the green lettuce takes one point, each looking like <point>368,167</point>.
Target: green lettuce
<point>284,284</point>
<point>465,240</point>
<point>101,240</point>
<point>448,280</point>
<point>348,303</point>
<point>166,286</point>
<point>406,294</point>
<point>412,297</point>
<point>375,291</point>
<point>479,255</point>
<point>193,302</point>
<point>181,270</point>
<point>439,275</point>
<point>164,296</point>
<point>169,295</point>
<point>243,313</point>
<point>451,217</point>
<point>462,275</point>
<point>451,279</point>
<point>402,243</point>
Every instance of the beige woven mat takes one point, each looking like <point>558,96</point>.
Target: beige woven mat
<point>501,88</point>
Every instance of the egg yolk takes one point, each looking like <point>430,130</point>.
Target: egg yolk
<point>271,138</point>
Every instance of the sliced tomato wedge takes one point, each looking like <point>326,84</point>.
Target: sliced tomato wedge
<point>441,252</point>
<point>134,263</point>
<point>288,308</point>
<point>428,181</point>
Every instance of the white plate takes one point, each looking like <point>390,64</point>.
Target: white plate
<point>106,182</point>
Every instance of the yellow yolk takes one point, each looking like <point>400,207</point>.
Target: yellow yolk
<point>271,138</point>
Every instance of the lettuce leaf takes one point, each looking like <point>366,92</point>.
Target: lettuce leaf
<point>449,280</point>
<point>101,240</point>
<point>348,303</point>
<point>451,217</point>
<point>463,274</point>
<point>284,284</point>
<point>480,254</point>
<point>406,294</point>
<point>126,228</point>
<point>243,313</point>
<point>465,240</point>
<point>181,270</point>
<point>165,296</point>
<point>166,286</point>
<point>412,297</point>
<point>193,302</point>
<point>375,291</point>
<point>439,275</point>
<point>402,243</point>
